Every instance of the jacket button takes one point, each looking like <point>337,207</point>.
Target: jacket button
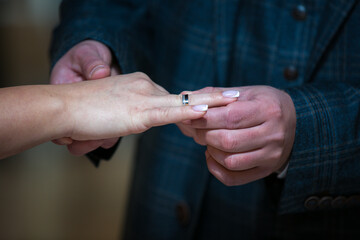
<point>353,201</point>
<point>290,73</point>
<point>311,203</point>
<point>338,202</point>
<point>325,202</point>
<point>183,213</point>
<point>299,12</point>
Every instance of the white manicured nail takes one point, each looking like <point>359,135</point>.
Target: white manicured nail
<point>200,108</point>
<point>231,94</point>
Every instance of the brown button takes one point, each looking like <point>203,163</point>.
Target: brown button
<point>311,203</point>
<point>299,12</point>
<point>183,213</point>
<point>325,202</point>
<point>338,202</point>
<point>290,73</point>
<point>353,201</point>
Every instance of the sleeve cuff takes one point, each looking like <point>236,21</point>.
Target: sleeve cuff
<point>102,154</point>
<point>282,174</point>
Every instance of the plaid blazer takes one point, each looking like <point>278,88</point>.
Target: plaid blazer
<point>310,49</point>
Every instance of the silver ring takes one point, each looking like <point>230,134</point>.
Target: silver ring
<point>185,99</point>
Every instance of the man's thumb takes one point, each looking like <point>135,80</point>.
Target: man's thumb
<point>94,61</point>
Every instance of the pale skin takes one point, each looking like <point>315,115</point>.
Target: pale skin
<point>246,140</point>
<point>92,110</point>
<point>88,60</point>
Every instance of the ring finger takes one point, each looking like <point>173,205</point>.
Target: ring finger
<point>210,99</point>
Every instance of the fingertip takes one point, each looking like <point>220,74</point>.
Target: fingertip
<point>200,108</point>
<point>109,143</point>
<point>231,94</point>
<point>79,148</point>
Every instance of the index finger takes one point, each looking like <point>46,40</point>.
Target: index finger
<point>237,115</point>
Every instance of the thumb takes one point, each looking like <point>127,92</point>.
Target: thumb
<point>94,60</point>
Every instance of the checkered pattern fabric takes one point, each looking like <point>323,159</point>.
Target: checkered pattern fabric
<point>191,44</point>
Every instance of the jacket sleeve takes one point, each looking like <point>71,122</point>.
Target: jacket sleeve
<point>324,163</point>
<point>106,21</point>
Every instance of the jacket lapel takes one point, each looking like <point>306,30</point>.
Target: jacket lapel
<point>334,15</point>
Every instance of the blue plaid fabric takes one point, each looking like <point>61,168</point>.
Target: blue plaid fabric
<point>190,44</point>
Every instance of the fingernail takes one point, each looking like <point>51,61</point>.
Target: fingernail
<point>231,94</point>
<point>200,108</point>
<point>95,69</point>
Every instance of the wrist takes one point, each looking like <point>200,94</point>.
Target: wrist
<point>62,108</point>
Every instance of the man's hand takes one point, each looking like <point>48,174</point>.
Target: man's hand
<point>88,60</point>
<point>247,139</point>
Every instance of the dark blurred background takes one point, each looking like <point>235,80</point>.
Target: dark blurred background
<point>45,193</point>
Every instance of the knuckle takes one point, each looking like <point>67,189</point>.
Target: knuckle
<point>276,140</point>
<point>141,80</point>
<point>276,155</point>
<point>141,75</point>
<point>279,138</point>
<point>142,83</point>
<point>228,141</point>
<point>83,48</point>
<point>208,89</point>
<point>231,118</point>
<point>275,111</point>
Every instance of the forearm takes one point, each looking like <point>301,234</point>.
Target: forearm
<point>30,115</point>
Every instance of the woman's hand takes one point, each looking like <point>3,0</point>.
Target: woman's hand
<point>87,60</point>
<point>127,104</point>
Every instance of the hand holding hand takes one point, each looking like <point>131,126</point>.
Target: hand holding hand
<point>127,104</point>
<point>88,60</point>
<point>247,139</point>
